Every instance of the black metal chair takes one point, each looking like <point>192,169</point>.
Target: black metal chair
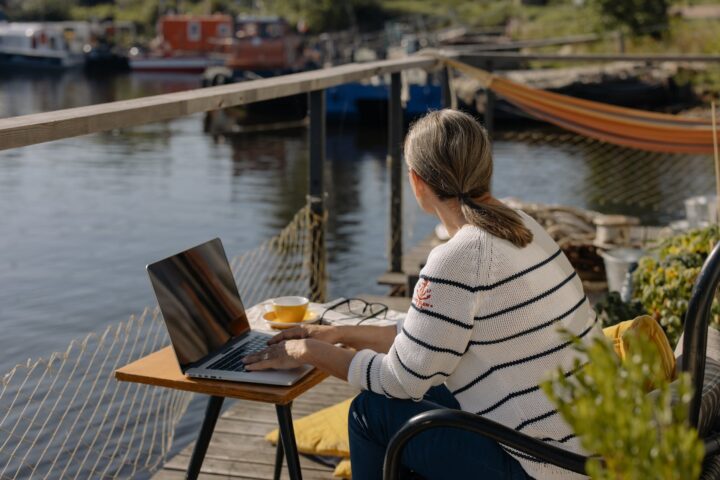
<point>693,361</point>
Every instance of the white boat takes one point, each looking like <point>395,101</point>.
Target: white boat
<point>40,45</point>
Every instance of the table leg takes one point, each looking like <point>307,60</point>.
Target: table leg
<point>279,457</point>
<point>287,434</point>
<point>212,411</point>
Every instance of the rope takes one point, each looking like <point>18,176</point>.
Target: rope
<point>616,178</point>
<point>67,417</point>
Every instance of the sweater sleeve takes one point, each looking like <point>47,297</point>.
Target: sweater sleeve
<point>432,339</point>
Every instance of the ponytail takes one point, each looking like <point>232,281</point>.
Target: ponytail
<point>452,153</point>
<point>498,220</point>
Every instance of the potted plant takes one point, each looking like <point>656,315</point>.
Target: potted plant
<point>663,281</point>
<point>637,435</point>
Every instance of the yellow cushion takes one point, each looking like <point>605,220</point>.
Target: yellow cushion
<point>323,432</point>
<point>343,469</point>
<point>648,327</point>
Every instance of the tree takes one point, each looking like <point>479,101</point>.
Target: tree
<point>49,10</point>
<point>640,17</point>
<point>329,15</point>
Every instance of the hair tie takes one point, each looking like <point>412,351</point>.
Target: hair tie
<point>468,200</point>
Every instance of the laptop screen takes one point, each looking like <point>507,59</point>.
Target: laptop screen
<point>199,301</point>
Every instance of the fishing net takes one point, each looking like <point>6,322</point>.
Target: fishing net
<point>67,417</point>
<point>607,177</point>
<point>618,160</point>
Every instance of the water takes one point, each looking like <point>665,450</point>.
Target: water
<point>80,218</point>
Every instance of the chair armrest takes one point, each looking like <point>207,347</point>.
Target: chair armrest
<point>712,445</point>
<point>697,320</point>
<point>482,426</point>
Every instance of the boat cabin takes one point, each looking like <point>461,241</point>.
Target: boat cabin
<point>194,33</point>
<point>266,44</point>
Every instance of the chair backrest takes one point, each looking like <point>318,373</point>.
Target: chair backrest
<point>697,321</point>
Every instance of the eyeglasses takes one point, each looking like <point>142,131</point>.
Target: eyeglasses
<point>356,308</point>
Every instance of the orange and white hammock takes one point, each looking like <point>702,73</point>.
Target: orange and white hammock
<point>628,127</point>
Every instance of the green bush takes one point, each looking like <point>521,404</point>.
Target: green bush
<point>640,17</point>
<point>639,436</point>
<point>612,310</point>
<point>39,10</point>
<point>663,282</point>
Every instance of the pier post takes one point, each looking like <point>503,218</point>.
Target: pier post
<point>489,114</point>
<point>394,162</point>
<point>317,195</point>
<point>447,100</point>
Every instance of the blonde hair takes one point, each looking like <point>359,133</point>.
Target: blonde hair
<point>451,152</point>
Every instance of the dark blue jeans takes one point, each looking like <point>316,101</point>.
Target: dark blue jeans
<point>436,454</point>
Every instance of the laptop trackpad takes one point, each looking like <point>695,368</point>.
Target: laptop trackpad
<point>270,377</point>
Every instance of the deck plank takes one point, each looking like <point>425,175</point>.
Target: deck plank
<point>238,449</point>
<point>412,261</point>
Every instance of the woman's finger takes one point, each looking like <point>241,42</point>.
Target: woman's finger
<point>294,332</point>
<point>256,357</point>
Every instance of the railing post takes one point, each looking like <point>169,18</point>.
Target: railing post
<point>394,161</point>
<point>447,100</point>
<point>317,195</point>
<point>489,114</point>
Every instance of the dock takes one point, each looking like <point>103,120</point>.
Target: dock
<point>403,283</point>
<point>238,449</point>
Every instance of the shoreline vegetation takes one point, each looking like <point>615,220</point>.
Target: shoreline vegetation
<point>522,20</point>
<point>648,26</point>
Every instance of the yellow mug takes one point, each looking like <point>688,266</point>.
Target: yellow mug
<point>290,309</point>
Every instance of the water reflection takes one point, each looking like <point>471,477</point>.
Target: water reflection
<point>272,168</point>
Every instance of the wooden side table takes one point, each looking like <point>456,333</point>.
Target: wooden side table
<point>161,369</point>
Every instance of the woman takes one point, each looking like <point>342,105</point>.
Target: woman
<point>481,335</point>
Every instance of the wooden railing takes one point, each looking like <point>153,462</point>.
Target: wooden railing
<point>48,126</point>
<point>71,122</point>
<point>468,55</point>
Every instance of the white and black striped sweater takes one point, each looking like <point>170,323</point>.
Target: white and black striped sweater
<point>484,320</point>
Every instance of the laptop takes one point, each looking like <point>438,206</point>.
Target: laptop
<point>206,320</point>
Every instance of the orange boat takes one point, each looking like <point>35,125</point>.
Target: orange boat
<point>266,46</point>
<point>185,44</point>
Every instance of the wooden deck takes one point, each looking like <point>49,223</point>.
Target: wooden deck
<point>413,260</point>
<point>238,449</point>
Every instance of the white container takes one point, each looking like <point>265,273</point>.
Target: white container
<point>701,211</point>
<point>617,265</point>
<point>614,230</point>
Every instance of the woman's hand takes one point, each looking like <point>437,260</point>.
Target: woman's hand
<point>324,333</point>
<point>293,353</point>
<point>282,355</point>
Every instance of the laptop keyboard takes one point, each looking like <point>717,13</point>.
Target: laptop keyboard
<point>233,361</point>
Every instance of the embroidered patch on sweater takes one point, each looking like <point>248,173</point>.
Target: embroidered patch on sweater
<point>423,293</point>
